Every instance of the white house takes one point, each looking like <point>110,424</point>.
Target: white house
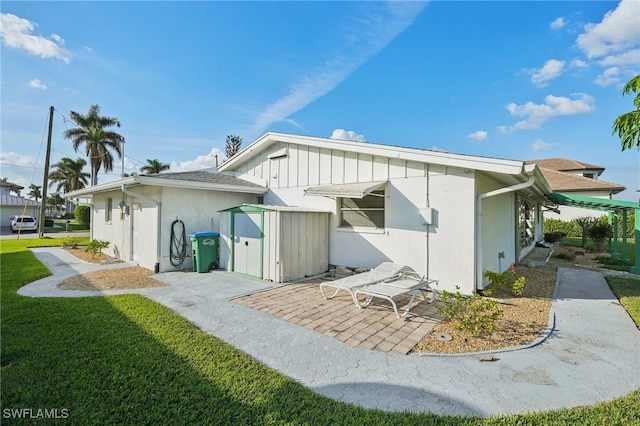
<point>142,216</point>
<point>448,216</point>
<point>577,178</point>
<point>11,205</point>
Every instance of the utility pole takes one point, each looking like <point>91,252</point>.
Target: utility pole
<point>45,180</point>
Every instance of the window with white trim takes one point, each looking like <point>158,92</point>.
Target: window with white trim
<point>108,210</point>
<point>366,212</point>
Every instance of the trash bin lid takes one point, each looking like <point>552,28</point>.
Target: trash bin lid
<point>204,234</point>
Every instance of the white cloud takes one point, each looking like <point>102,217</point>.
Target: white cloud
<point>15,159</point>
<point>553,68</point>
<point>608,77</point>
<point>538,114</point>
<point>558,23</point>
<point>16,33</point>
<point>347,135</point>
<point>200,162</point>
<point>628,58</point>
<point>362,39</point>
<point>540,145</point>
<point>618,31</point>
<point>503,130</point>
<point>478,135</point>
<point>37,84</point>
<point>578,63</point>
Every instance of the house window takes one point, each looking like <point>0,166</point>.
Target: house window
<point>526,221</point>
<point>366,212</point>
<point>108,210</point>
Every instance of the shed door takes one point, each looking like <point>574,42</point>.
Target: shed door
<point>247,241</point>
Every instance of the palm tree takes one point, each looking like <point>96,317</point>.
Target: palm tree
<point>627,125</point>
<point>154,167</point>
<point>68,175</point>
<point>92,131</point>
<point>34,192</point>
<point>233,145</point>
<point>54,201</point>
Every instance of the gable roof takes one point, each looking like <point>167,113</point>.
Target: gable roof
<point>565,165</point>
<point>199,179</point>
<point>566,182</point>
<point>488,164</point>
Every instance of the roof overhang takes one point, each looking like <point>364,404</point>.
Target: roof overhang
<point>345,190</point>
<point>593,203</point>
<point>164,182</point>
<point>448,159</point>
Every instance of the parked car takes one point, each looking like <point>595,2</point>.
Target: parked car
<point>24,223</point>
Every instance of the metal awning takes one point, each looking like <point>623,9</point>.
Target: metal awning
<point>592,203</point>
<point>345,190</point>
<point>607,205</point>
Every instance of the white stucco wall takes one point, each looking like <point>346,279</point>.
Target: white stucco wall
<point>134,236</point>
<point>199,211</point>
<point>499,227</point>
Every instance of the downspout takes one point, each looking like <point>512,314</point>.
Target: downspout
<point>481,197</point>
<point>158,205</point>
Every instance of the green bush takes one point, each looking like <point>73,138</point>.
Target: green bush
<point>507,280</point>
<point>600,232</point>
<point>95,247</point>
<point>566,228</point>
<point>474,314</point>
<point>83,215</point>
<point>71,242</point>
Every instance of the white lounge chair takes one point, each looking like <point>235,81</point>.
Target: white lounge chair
<point>408,283</point>
<point>384,271</point>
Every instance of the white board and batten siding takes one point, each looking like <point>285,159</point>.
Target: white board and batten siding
<point>443,250</point>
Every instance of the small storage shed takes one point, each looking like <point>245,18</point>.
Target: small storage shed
<point>276,243</point>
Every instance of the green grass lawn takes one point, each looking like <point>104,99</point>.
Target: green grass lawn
<point>74,226</point>
<point>128,360</point>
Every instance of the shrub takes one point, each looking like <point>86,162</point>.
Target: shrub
<point>95,247</point>
<point>507,279</point>
<point>83,215</point>
<point>474,314</point>
<point>71,242</point>
<point>565,256</point>
<point>566,228</point>
<point>599,233</point>
<point>553,237</point>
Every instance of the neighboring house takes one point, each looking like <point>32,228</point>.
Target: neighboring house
<point>137,214</point>
<point>11,205</point>
<point>577,178</point>
<point>448,216</point>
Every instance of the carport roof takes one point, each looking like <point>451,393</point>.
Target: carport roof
<point>592,203</point>
<point>190,180</point>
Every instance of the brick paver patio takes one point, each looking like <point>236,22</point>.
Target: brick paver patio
<point>375,327</point>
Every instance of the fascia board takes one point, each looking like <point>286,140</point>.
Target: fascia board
<point>488,164</point>
<point>174,183</point>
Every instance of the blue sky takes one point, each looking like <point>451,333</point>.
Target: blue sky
<point>515,80</point>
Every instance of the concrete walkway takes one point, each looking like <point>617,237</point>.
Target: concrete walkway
<point>592,355</point>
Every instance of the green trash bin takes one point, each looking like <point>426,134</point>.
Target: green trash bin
<point>205,250</point>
